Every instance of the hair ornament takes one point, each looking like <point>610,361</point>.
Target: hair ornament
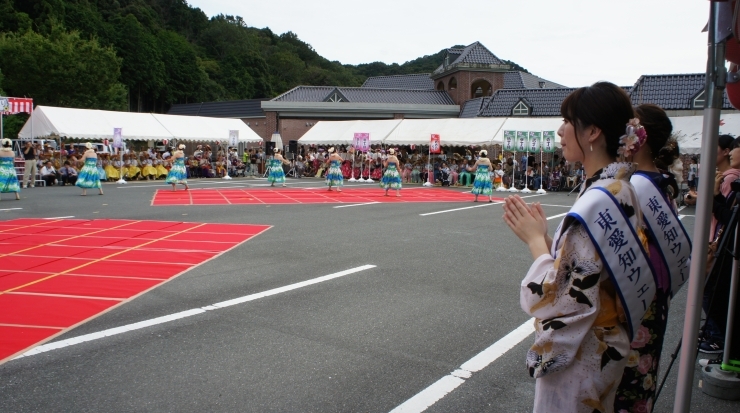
<point>634,137</point>
<point>483,152</point>
<point>181,146</point>
<point>391,151</point>
<point>88,145</point>
<point>274,150</point>
<point>331,150</point>
<point>6,142</point>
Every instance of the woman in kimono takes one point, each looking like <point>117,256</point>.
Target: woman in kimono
<point>334,175</point>
<point>656,190</point>
<point>482,183</point>
<point>579,277</point>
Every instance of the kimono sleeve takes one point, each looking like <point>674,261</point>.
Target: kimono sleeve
<point>563,294</point>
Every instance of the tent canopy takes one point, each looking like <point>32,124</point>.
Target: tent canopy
<point>452,131</point>
<point>89,124</point>
<point>343,132</point>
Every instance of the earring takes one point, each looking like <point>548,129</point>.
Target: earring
<point>592,147</point>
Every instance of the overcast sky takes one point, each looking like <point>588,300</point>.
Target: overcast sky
<point>571,42</point>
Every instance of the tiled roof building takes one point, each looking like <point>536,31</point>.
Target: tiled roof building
<point>416,81</point>
<point>364,95</point>
<point>470,82</point>
<point>673,92</point>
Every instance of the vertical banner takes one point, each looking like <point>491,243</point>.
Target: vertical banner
<point>509,140</point>
<point>233,138</point>
<point>361,142</point>
<point>117,138</point>
<point>534,141</point>
<point>548,141</point>
<point>522,139</point>
<point>435,146</point>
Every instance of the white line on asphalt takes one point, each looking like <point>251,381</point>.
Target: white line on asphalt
<point>164,185</point>
<point>557,216</point>
<point>347,206</point>
<point>442,387</point>
<point>10,209</point>
<point>177,316</point>
<point>475,206</point>
<point>561,206</point>
<point>70,216</point>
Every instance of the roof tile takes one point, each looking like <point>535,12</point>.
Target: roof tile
<point>414,81</point>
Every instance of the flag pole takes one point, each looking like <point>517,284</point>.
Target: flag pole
<point>430,167</point>
<point>542,167</point>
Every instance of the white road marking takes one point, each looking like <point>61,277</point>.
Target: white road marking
<point>557,216</point>
<point>166,185</point>
<point>442,387</point>
<point>69,216</point>
<point>183,314</point>
<point>351,205</point>
<point>561,206</point>
<point>10,209</point>
<point>470,207</point>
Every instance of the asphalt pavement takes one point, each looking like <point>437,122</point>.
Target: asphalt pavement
<point>429,290</point>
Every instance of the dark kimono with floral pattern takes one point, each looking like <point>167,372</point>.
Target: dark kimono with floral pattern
<point>636,392</point>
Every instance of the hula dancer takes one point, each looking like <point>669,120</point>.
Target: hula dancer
<point>334,175</point>
<point>482,183</point>
<point>8,178</point>
<point>177,174</point>
<point>276,172</point>
<point>89,177</point>
<point>391,178</point>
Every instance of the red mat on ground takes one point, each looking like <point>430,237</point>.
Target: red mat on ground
<point>56,274</point>
<point>251,196</point>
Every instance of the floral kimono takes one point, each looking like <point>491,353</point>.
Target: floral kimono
<point>581,336</point>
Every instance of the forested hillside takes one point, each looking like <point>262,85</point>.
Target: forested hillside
<point>145,55</point>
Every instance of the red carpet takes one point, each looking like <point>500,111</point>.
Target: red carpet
<point>55,274</point>
<point>278,195</point>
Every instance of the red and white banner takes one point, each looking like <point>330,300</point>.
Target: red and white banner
<point>11,106</point>
<point>435,146</point>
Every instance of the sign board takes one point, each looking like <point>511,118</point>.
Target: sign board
<point>548,141</point>
<point>435,146</point>
<point>534,141</point>
<point>522,138</point>
<point>509,140</point>
<point>117,138</point>
<point>361,142</point>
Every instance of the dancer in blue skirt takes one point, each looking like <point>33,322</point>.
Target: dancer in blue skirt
<point>89,176</point>
<point>482,183</point>
<point>334,175</point>
<point>177,174</point>
<point>8,177</point>
<point>275,171</point>
<point>391,178</point>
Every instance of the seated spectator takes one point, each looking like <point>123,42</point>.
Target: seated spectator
<point>300,167</point>
<point>68,174</point>
<point>49,174</point>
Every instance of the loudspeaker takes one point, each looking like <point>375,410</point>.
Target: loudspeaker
<point>293,146</point>
<point>269,147</point>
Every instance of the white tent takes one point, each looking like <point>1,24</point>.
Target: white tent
<point>452,131</point>
<point>343,132</point>
<point>91,124</point>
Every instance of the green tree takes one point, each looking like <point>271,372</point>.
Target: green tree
<point>184,77</point>
<point>143,71</point>
<point>61,70</point>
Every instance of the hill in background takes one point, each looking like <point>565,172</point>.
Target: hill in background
<point>145,55</point>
